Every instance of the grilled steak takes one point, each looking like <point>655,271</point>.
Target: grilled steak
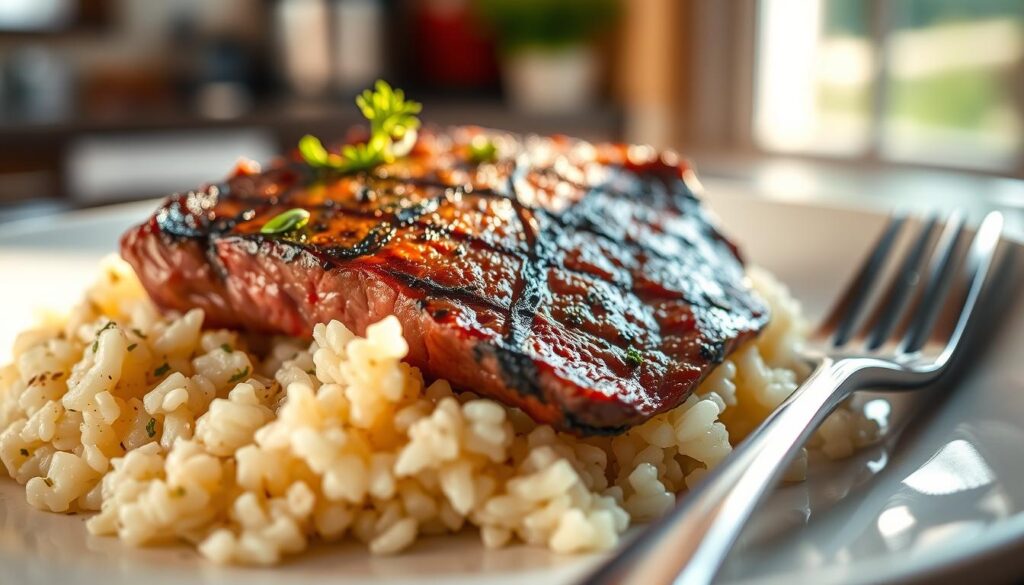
<point>582,283</point>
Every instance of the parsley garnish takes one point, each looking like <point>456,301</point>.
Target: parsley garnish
<point>393,125</point>
<point>482,150</point>
<point>226,348</point>
<point>133,346</point>
<point>388,111</point>
<point>353,157</point>
<point>163,369</point>
<point>289,221</point>
<point>24,452</point>
<point>239,375</point>
<point>151,427</point>
<point>139,334</point>
<point>634,357</point>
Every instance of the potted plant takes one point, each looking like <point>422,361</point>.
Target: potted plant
<point>549,62</point>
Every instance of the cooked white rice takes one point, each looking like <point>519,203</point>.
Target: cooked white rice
<point>172,432</point>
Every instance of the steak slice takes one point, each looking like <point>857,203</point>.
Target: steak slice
<point>582,283</point>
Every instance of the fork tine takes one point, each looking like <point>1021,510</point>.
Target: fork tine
<point>880,325</point>
<point>979,260</point>
<point>940,278</point>
<point>843,316</point>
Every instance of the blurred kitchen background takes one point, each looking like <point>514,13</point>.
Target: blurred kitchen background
<point>889,103</point>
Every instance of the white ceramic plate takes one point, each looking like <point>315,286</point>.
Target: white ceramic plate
<point>939,499</point>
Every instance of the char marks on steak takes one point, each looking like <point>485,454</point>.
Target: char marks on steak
<point>582,283</point>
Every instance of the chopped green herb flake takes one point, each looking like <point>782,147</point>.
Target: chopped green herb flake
<point>226,348</point>
<point>96,342</point>
<point>163,369</point>
<point>634,357</point>
<point>133,346</point>
<point>482,150</point>
<point>239,375</point>
<point>139,334</point>
<point>151,427</point>
<point>289,221</point>
<point>24,452</point>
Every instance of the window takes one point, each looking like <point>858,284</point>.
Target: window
<point>48,17</point>
<point>35,15</point>
<point>935,82</point>
<point>815,77</point>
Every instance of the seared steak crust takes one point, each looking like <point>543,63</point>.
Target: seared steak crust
<point>582,283</point>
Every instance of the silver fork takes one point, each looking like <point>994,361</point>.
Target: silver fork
<point>896,345</point>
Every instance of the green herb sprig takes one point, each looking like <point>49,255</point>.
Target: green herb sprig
<point>393,125</point>
<point>389,113</point>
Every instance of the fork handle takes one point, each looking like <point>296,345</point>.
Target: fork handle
<point>689,544</point>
